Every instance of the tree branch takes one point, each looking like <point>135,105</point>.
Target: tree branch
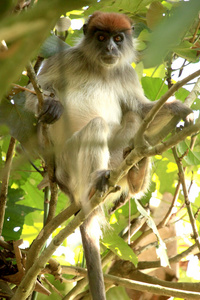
<point>143,265</point>
<point>153,285</point>
<point>193,94</point>
<point>48,229</point>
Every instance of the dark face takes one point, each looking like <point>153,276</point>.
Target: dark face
<point>109,46</point>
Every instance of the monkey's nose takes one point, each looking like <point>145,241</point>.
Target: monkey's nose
<point>109,48</point>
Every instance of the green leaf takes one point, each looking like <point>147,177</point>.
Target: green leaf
<point>22,124</point>
<point>117,293</point>
<point>158,71</point>
<point>25,32</point>
<point>5,6</point>
<point>170,32</point>
<point>117,245</point>
<point>181,94</point>
<point>141,31</point>
<point>51,46</point>
<point>184,50</point>
<point>144,35</point>
<point>15,215</point>
<point>192,158</point>
<point>182,147</point>
<point>166,174</point>
<point>155,14</point>
<point>122,6</point>
<point>154,88</point>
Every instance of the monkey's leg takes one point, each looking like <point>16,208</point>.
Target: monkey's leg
<point>137,179</point>
<point>138,176</point>
<point>93,155</point>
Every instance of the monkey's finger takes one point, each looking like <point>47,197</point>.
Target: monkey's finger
<point>51,111</point>
<point>189,119</point>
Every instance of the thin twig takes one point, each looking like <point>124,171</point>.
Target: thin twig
<point>143,265</point>
<point>186,196</point>
<point>23,88</point>
<point>33,78</point>
<point>5,180</point>
<point>47,145</point>
<point>195,33</point>
<point>52,286</point>
<point>168,215</point>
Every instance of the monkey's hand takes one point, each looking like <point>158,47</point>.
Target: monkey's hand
<point>179,109</point>
<point>189,119</point>
<point>51,111</point>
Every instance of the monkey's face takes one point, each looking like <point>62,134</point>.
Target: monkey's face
<point>106,48</point>
<point>110,46</point>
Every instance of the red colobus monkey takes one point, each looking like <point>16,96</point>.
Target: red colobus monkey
<point>99,109</point>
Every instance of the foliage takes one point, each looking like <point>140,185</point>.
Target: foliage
<point>166,31</point>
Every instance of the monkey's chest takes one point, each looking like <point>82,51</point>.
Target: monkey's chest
<point>87,103</point>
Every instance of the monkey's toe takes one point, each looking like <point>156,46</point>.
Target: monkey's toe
<point>126,151</point>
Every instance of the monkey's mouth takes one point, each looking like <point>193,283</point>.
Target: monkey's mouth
<point>109,60</point>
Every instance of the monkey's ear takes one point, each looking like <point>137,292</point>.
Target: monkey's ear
<point>85,27</point>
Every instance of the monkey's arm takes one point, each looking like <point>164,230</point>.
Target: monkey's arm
<point>175,109</point>
<point>166,119</point>
<point>52,108</point>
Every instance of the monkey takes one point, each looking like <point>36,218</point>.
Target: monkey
<point>94,106</point>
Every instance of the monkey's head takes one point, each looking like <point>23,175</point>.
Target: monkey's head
<point>108,39</point>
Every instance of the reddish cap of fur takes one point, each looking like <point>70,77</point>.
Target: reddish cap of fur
<point>110,22</point>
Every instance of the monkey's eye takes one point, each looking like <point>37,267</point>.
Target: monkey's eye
<point>101,37</point>
<point>118,38</point>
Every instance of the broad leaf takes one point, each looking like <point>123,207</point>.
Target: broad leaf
<point>117,245</point>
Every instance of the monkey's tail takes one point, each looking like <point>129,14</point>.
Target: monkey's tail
<point>90,232</point>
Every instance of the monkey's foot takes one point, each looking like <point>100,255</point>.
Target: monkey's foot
<point>51,111</point>
<point>101,183</point>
